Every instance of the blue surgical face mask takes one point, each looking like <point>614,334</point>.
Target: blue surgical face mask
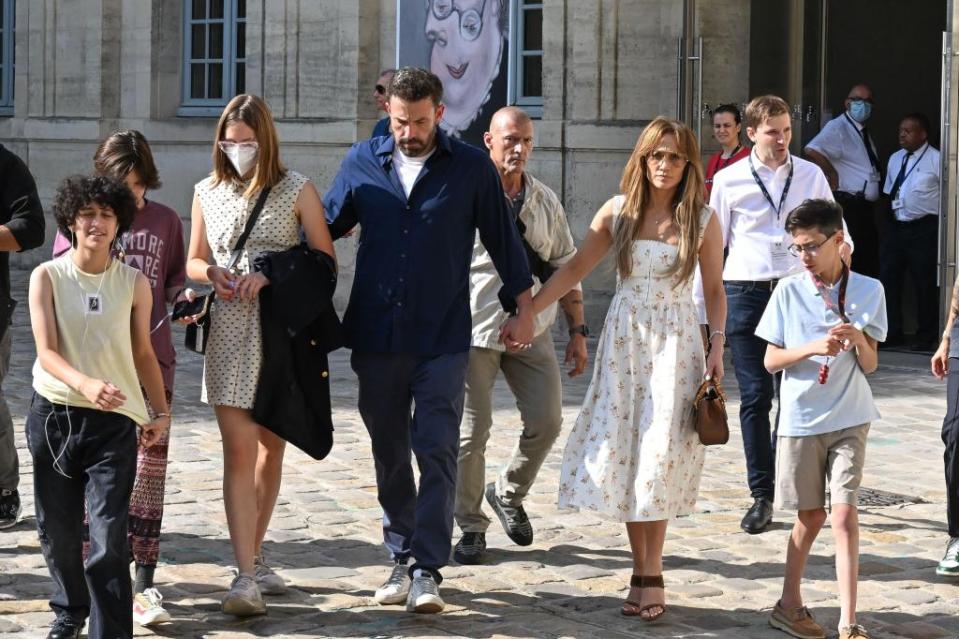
<point>859,110</point>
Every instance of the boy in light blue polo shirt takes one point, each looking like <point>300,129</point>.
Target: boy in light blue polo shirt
<point>822,327</point>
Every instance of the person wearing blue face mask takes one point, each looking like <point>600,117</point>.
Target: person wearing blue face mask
<point>846,153</point>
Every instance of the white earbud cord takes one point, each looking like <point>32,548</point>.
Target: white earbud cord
<point>57,457</point>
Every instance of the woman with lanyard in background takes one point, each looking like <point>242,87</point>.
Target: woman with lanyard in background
<point>727,125</point>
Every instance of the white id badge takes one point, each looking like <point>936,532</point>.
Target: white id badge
<point>779,255</point>
<point>897,204</point>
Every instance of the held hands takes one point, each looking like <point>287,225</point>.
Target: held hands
<point>102,394</point>
<point>576,355</point>
<point>150,434</point>
<point>517,332</point>
<point>940,360</point>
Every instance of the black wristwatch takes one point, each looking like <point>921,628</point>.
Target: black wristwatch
<point>581,329</point>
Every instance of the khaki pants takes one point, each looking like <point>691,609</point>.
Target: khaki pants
<point>534,377</point>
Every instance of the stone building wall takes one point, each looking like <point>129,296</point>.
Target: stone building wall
<point>88,67</point>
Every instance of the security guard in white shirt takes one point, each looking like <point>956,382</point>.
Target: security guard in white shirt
<point>912,184</point>
<point>847,155</point>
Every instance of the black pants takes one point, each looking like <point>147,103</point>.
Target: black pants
<point>950,437</point>
<point>416,523</point>
<point>911,246</point>
<point>100,456</point>
<point>858,213</point>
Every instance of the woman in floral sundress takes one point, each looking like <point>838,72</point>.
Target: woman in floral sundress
<point>634,454</point>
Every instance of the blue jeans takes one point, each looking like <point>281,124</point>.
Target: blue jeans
<point>416,523</point>
<point>100,456</point>
<point>745,306</point>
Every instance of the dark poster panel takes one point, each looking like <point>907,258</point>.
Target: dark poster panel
<point>465,43</point>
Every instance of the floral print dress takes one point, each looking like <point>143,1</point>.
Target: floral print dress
<point>633,453</point>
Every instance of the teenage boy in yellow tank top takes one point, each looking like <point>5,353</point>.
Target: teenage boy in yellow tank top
<point>91,322</point>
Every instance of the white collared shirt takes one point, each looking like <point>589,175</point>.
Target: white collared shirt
<point>919,192</point>
<point>755,235</point>
<point>547,233</point>
<point>841,142</point>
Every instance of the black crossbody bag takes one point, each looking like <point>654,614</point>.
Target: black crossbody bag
<point>197,333</point>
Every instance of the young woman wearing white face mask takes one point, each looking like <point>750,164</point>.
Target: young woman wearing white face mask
<point>246,161</point>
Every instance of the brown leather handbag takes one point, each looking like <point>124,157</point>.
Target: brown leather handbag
<point>709,414</point>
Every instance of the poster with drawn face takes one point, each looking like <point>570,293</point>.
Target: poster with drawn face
<point>465,43</point>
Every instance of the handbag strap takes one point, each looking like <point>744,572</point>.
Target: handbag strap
<point>250,221</point>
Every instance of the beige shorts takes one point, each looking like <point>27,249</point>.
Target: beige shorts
<point>803,464</point>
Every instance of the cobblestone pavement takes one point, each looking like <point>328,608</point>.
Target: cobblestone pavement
<point>325,537</point>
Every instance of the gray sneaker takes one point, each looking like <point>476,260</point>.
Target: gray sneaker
<point>394,590</point>
<point>424,594</point>
<point>269,582</point>
<point>244,598</point>
<point>949,565</point>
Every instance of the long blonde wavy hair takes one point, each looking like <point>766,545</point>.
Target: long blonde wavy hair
<point>687,203</point>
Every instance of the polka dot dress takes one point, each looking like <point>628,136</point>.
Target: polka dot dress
<point>234,347</point>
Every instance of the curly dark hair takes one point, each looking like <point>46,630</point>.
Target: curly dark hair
<point>78,191</point>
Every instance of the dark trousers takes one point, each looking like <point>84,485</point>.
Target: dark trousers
<point>911,246</point>
<point>860,218</point>
<point>416,523</point>
<point>950,437</point>
<point>757,388</point>
<point>99,455</point>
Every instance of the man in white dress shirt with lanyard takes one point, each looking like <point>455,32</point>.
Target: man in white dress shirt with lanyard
<point>752,199</point>
<point>912,184</point>
<point>847,155</point>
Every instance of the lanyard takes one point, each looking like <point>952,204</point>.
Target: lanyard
<point>762,187</point>
<point>913,166</point>
<point>837,306</point>
<point>870,154</point>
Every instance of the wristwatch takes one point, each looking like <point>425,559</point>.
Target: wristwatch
<point>580,329</point>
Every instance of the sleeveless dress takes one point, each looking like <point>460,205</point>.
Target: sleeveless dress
<point>633,453</point>
<point>234,346</point>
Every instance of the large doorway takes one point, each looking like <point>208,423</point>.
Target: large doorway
<point>810,52</point>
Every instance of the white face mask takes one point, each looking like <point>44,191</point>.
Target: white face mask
<point>242,156</point>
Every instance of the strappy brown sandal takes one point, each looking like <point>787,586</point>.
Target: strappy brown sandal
<point>636,581</point>
<point>652,582</point>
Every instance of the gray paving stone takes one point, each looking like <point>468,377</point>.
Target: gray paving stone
<point>326,537</point>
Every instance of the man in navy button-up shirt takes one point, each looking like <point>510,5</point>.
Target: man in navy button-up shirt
<point>420,197</point>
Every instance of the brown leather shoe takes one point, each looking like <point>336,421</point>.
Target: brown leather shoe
<point>797,622</point>
<point>853,631</point>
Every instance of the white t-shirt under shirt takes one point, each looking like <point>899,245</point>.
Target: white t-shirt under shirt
<point>797,315</point>
<point>408,168</point>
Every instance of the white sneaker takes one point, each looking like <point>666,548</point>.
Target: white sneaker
<point>395,589</point>
<point>148,608</point>
<point>269,582</point>
<point>244,599</point>
<point>424,596</point>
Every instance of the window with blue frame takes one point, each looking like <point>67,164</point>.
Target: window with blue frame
<point>527,48</point>
<point>7,28</point>
<point>214,54</point>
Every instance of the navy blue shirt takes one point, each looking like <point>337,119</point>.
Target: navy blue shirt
<point>411,285</point>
